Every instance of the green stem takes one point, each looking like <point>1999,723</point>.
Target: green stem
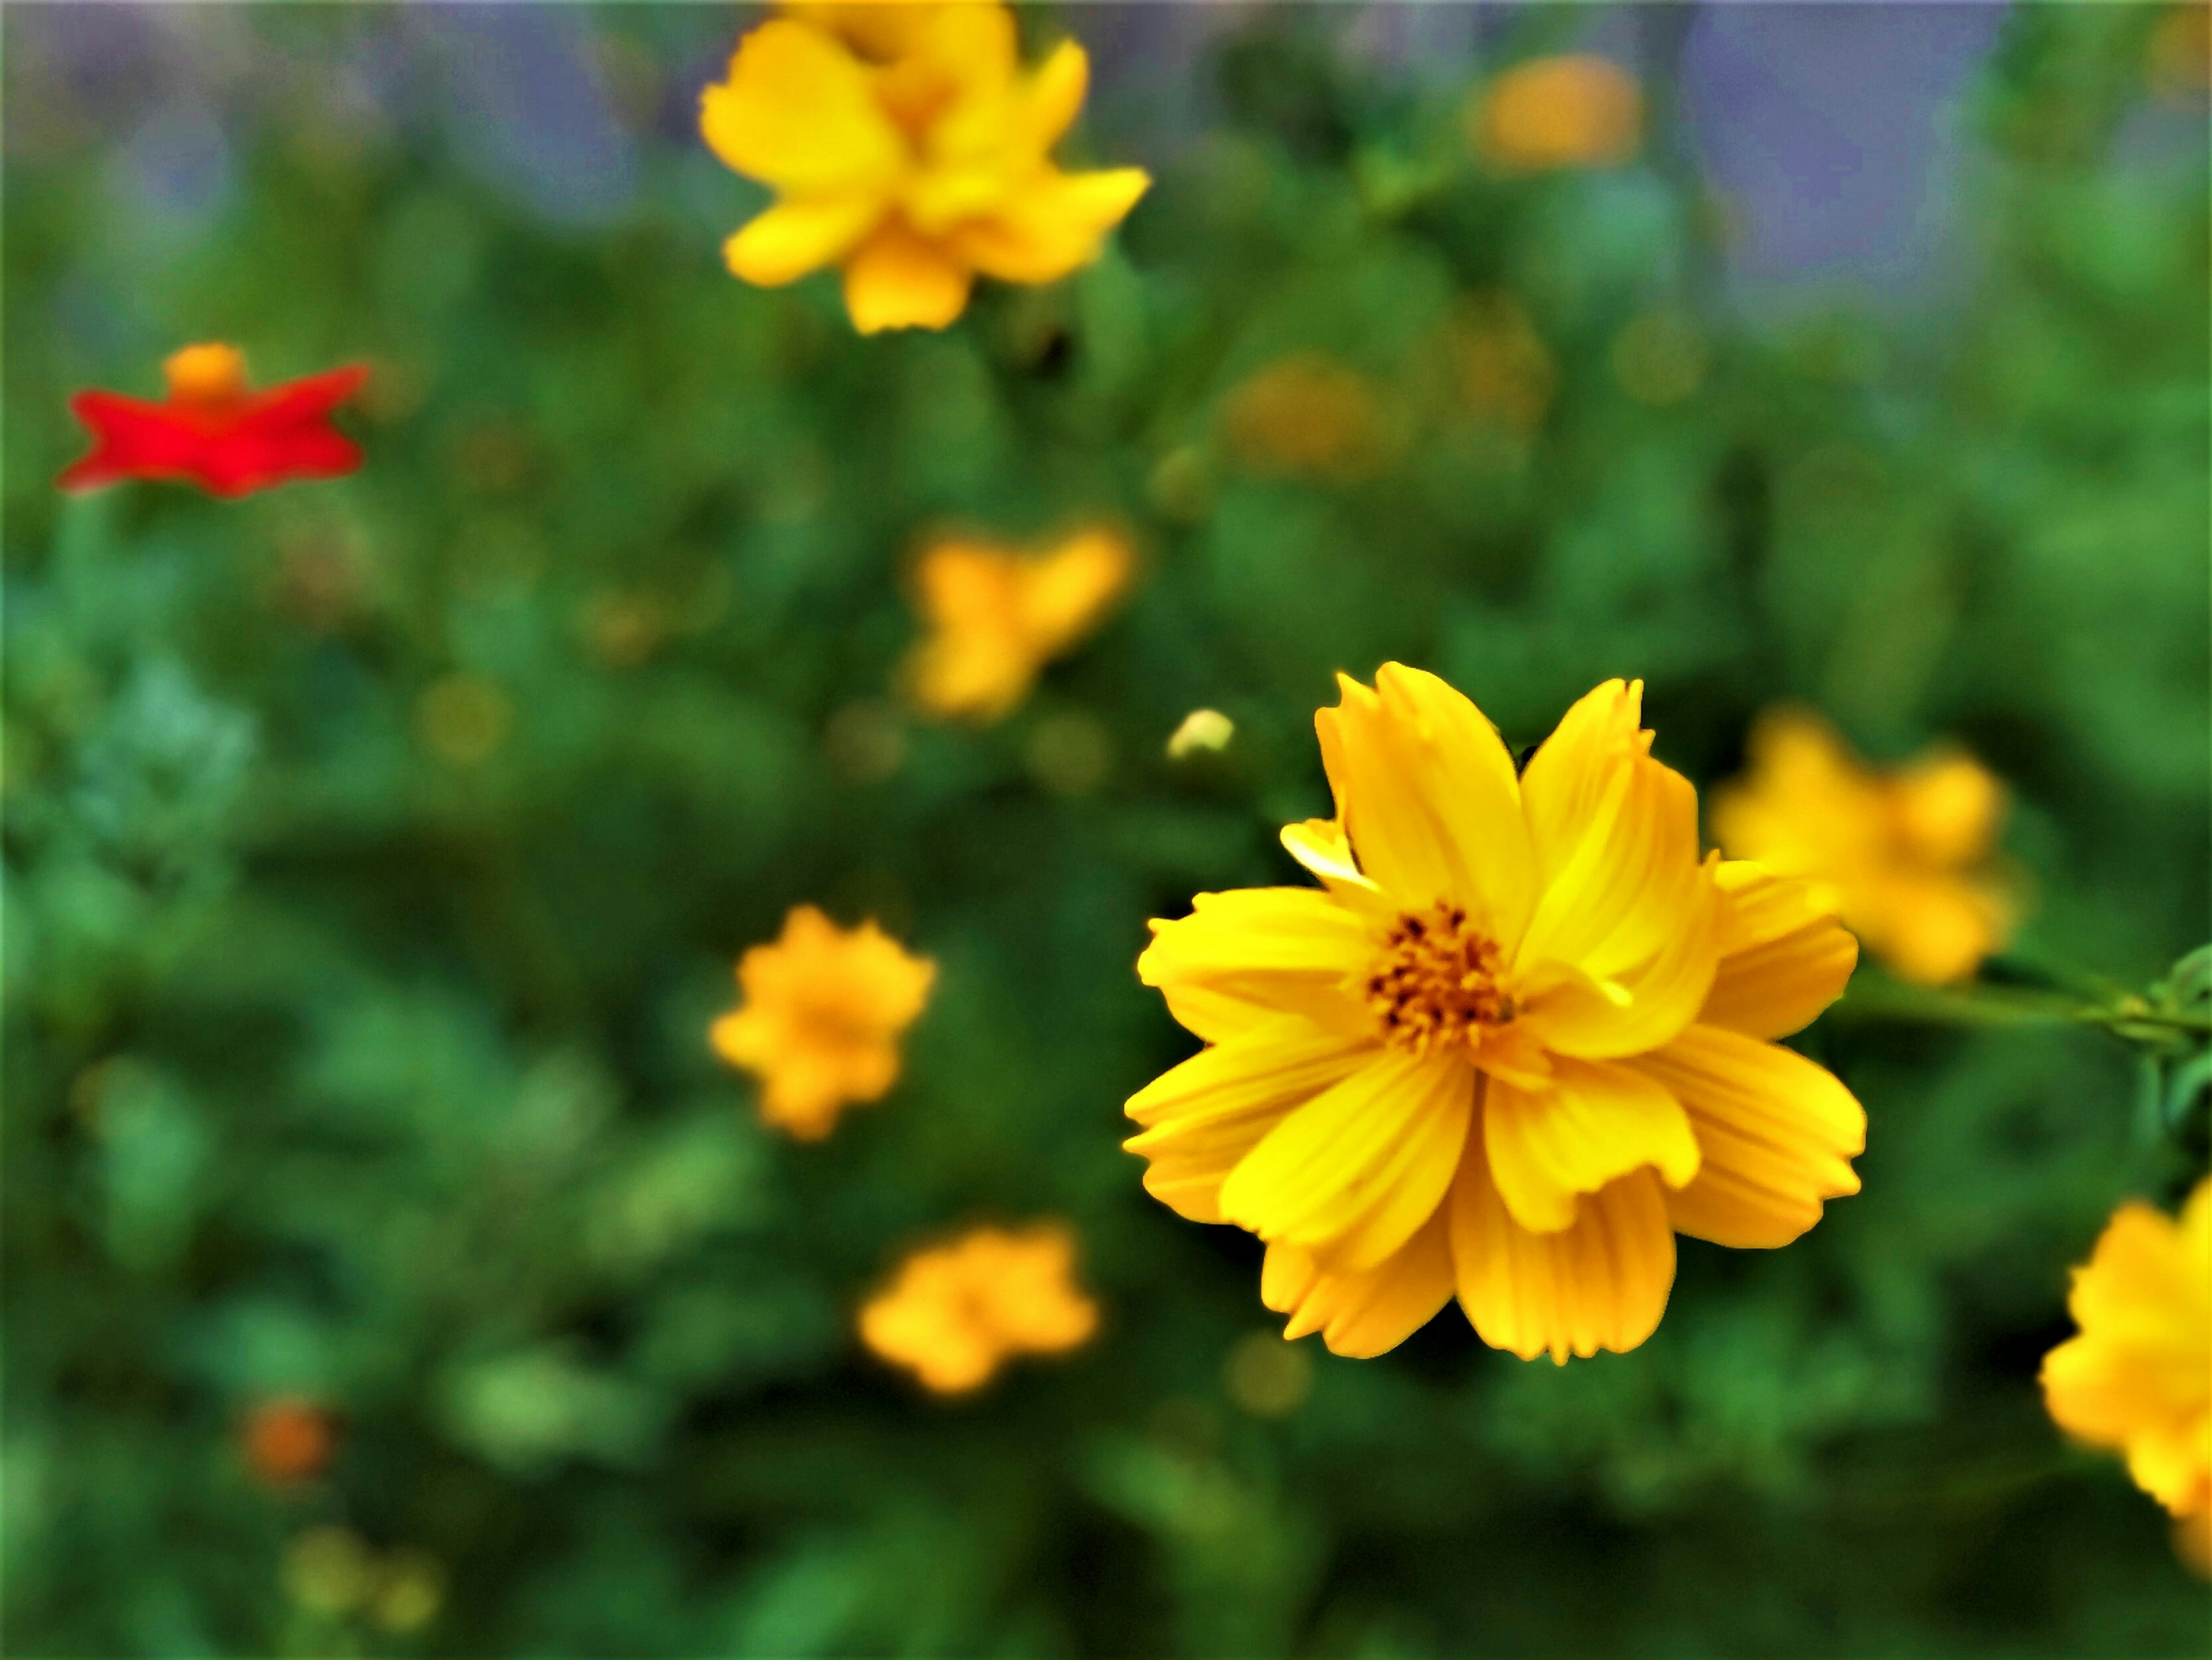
<point>2126,1016</point>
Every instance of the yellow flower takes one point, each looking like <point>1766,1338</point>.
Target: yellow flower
<point>908,146</point>
<point>2139,1377</point>
<point>1307,413</point>
<point>821,1017</point>
<point>954,1314</point>
<point>1569,112</point>
<point>996,616</point>
<point>1518,1039</point>
<point>1905,857</point>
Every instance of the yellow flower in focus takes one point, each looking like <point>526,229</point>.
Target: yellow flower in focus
<point>908,146</point>
<point>997,616</point>
<point>819,1023</point>
<point>2138,1379</point>
<point>1577,111</point>
<point>1905,856</point>
<point>1307,413</point>
<point>1520,1037</point>
<point>954,1314</point>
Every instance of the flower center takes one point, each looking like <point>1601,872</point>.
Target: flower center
<point>212,374</point>
<point>1436,981</point>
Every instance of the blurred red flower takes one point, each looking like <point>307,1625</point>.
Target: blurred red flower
<point>288,1439</point>
<point>213,431</point>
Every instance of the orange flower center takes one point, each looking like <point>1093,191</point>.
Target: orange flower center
<point>211,373</point>
<point>1436,981</point>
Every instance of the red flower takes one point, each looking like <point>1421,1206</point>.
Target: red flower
<point>213,432</point>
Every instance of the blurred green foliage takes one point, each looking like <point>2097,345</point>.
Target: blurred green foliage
<point>377,852</point>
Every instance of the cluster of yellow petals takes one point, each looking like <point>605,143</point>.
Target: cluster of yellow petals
<point>2138,1378</point>
<point>1519,1038</point>
<point>1574,111</point>
<point>997,615</point>
<point>1905,857</point>
<point>907,145</point>
<point>955,1313</point>
<point>819,1021</point>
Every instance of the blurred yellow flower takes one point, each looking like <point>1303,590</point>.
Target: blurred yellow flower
<point>2138,1378</point>
<point>1577,111</point>
<point>819,1023</point>
<point>908,146</point>
<point>1905,857</point>
<point>996,616</point>
<point>955,1313</point>
<point>1519,1038</point>
<point>1503,370</point>
<point>1307,413</point>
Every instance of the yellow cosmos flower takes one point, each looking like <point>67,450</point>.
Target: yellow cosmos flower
<point>953,1314</point>
<point>997,616</point>
<point>2139,1377</point>
<point>1577,111</point>
<point>821,1017</point>
<point>1518,1038</point>
<point>908,146</point>
<point>1905,856</point>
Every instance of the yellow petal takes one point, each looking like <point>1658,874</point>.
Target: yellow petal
<point>1206,1114</point>
<point>1056,92</point>
<point>897,280</point>
<point>798,236</point>
<point>1630,883</point>
<point>1242,957</point>
<point>1566,780</point>
<point>1366,1314</point>
<point>1776,1133</point>
<point>1044,224</point>
<point>1783,957</point>
<point>798,111</point>
<point>1600,1283</point>
<point>1062,594</point>
<point>1574,1012</point>
<point>1598,1121</point>
<point>1353,1172</point>
<point>1321,845</point>
<point>1425,792</point>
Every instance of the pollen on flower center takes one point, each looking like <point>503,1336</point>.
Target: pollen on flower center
<point>1436,981</point>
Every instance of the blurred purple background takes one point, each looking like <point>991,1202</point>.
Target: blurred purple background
<point>1832,134</point>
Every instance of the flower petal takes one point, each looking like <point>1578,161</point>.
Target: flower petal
<point>1357,1170</point>
<point>1425,791</point>
<point>1783,957</point>
<point>1204,1116</point>
<point>798,236</point>
<point>1598,1121</point>
<point>1776,1132</point>
<point>1599,1284</point>
<point>1244,956</point>
<point>1366,1314</point>
<point>897,280</point>
<point>1046,224</point>
<point>798,113</point>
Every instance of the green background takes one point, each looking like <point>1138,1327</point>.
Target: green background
<point>342,1063</point>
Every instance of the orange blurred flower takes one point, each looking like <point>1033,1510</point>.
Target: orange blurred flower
<point>1905,856</point>
<point>1307,413</point>
<point>1502,367</point>
<point>1577,111</point>
<point>996,616</point>
<point>2138,1378</point>
<point>213,431</point>
<point>954,1314</point>
<point>819,1025</point>
<point>908,146</point>
<point>288,1439</point>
